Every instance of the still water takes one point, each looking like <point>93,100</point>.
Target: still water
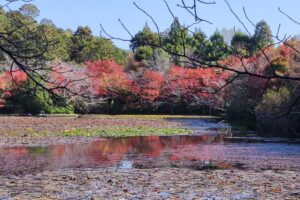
<point>215,145</point>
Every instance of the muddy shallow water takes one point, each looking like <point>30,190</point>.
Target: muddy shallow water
<point>217,161</point>
<point>219,148</point>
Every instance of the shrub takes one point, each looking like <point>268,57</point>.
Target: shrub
<point>276,103</point>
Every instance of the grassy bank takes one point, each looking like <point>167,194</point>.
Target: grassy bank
<point>124,132</point>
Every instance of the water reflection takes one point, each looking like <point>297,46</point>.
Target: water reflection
<point>198,152</point>
<point>195,123</point>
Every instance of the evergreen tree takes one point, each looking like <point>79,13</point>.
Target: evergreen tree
<point>86,47</point>
<point>29,10</point>
<point>263,35</point>
<point>145,38</point>
<point>197,43</point>
<point>176,41</point>
<point>242,44</point>
<point>216,48</point>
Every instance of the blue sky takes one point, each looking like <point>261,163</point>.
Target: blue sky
<point>72,13</point>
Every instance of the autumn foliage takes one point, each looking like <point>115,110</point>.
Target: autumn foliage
<point>141,89</point>
<point>107,78</point>
<point>10,83</point>
<point>151,87</point>
<point>193,83</point>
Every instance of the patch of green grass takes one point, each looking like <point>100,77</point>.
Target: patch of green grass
<point>28,132</point>
<point>125,132</point>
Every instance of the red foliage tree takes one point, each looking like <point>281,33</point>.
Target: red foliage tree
<point>10,83</point>
<point>107,78</point>
<point>151,85</point>
<point>188,85</point>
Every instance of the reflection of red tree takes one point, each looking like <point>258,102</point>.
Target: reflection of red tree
<point>16,152</point>
<point>174,157</point>
<point>110,152</point>
<point>154,146</point>
<point>58,151</point>
<point>187,149</point>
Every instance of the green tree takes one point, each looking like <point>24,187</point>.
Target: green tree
<point>83,32</point>
<point>2,12</point>
<point>100,49</point>
<point>263,35</point>
<point>242,44</point>
<point>27,39</point>
<point>3,24</point>
<point>29,10</point>
<point>197,42</point>
<point>81,40</point>
<point>47,22</point>
<point>144,38</point>
<point>216,48</point>
<point>211,49</point>
<point>176,41</point>
<point>143,53</point>
<point>61,41</point>
<point>86,47</point>
<point>121,56</point>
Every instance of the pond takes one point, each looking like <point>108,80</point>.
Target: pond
<point>214,145</point>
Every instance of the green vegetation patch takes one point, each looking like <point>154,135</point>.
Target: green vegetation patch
<point>126,132</point>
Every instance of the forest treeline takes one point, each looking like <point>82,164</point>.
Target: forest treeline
<point>154,77</point>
